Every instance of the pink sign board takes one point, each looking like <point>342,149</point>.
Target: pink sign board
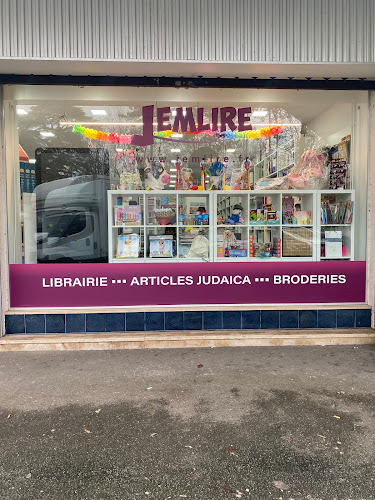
<point>110,285</point>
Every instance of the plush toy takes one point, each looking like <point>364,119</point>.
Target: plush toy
<point>235,218</point>
<point>156,176</point>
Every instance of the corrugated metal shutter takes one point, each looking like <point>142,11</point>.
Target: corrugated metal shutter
<point>194,30</point>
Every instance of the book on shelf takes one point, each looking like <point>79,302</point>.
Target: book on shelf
<point>336,213</point>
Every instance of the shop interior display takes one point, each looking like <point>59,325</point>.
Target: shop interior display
<point>266,193</point>
<point>223,226</point>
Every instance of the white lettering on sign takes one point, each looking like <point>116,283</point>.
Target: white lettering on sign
<point>74,282</point>
<point>308,279</point>
<point>224,280</point>
<point>162,280</point>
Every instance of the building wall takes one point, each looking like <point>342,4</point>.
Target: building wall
<point>287,31</point>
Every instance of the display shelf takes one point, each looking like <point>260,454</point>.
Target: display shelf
<point>335,258</point>
<point>336,225</point>
<point>193,225</point>
<point>150,206</point>
<point>251,241</point>
<point>231,225</point>
<point>127,226</point>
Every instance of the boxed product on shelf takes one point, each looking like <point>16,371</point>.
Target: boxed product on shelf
<point>333,244</point>
<point>127,215</point>
<point>183,250</point>
<point>302,217</point>
<point>237,252</point>
<point>263,250</point>
<point>288,209</point>
<point>273,217</point>
<point>220,251</point>
<point>161,246</point>
<point>128,246</point>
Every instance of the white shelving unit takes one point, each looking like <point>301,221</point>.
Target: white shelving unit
<point>346,230</point>
<point>184,201</point>
<point>268,241</point>
<point>286,241</point>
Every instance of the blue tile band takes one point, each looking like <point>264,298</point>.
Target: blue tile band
<point>187,320</point>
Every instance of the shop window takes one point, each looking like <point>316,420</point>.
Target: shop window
<point>292,188</point>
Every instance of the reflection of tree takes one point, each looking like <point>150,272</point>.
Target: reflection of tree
<point>38,121</point>
<point>46,117</point>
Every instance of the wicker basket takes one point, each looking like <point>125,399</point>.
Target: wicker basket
<point>297,242</point>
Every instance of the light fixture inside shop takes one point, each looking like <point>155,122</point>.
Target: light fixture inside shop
<point>173,169</point>
<point>99,112</point>
<point>32,161</point>
<point>259,113</point>
<point>177,135</point>
<point>119,150</point>
<point>21,111</point>
<point>47,134</point>
<point>231,150</point>
<point>175,150</point>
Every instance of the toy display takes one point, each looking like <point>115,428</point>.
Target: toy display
<point>292,213</point>
<point>165,216</point>
<point>161,246</point>
<point>235,218</point>
<point>201,217</point>
<point>156,175</point>
<point>240,177</point>
<point>277,225</point>
<point>230,244</point>
<point>127,215</point>
<point>126,163</point>
<point>128,246</point>
<point>216,172</point>
<point>237,179</point>
<point>187,180</point>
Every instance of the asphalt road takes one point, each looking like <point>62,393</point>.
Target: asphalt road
<point>209,424</point>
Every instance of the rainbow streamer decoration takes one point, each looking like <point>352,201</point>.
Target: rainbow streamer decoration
<point>115,138</point>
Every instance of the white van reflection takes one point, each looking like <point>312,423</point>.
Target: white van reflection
<point>72,220</point>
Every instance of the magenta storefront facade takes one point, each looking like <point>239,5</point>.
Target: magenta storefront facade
<point>127,213</point>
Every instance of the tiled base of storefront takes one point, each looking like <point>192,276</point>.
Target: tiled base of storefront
<point>179,339</point>
<point>267,319</point>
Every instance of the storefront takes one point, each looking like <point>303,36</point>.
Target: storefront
<point>167,209</point>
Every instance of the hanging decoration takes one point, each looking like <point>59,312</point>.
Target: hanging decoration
<point>229,134</point>
<point>127,138</point>
<point>103,136</point>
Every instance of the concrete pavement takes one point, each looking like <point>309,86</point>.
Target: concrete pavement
<point>260,423</point>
